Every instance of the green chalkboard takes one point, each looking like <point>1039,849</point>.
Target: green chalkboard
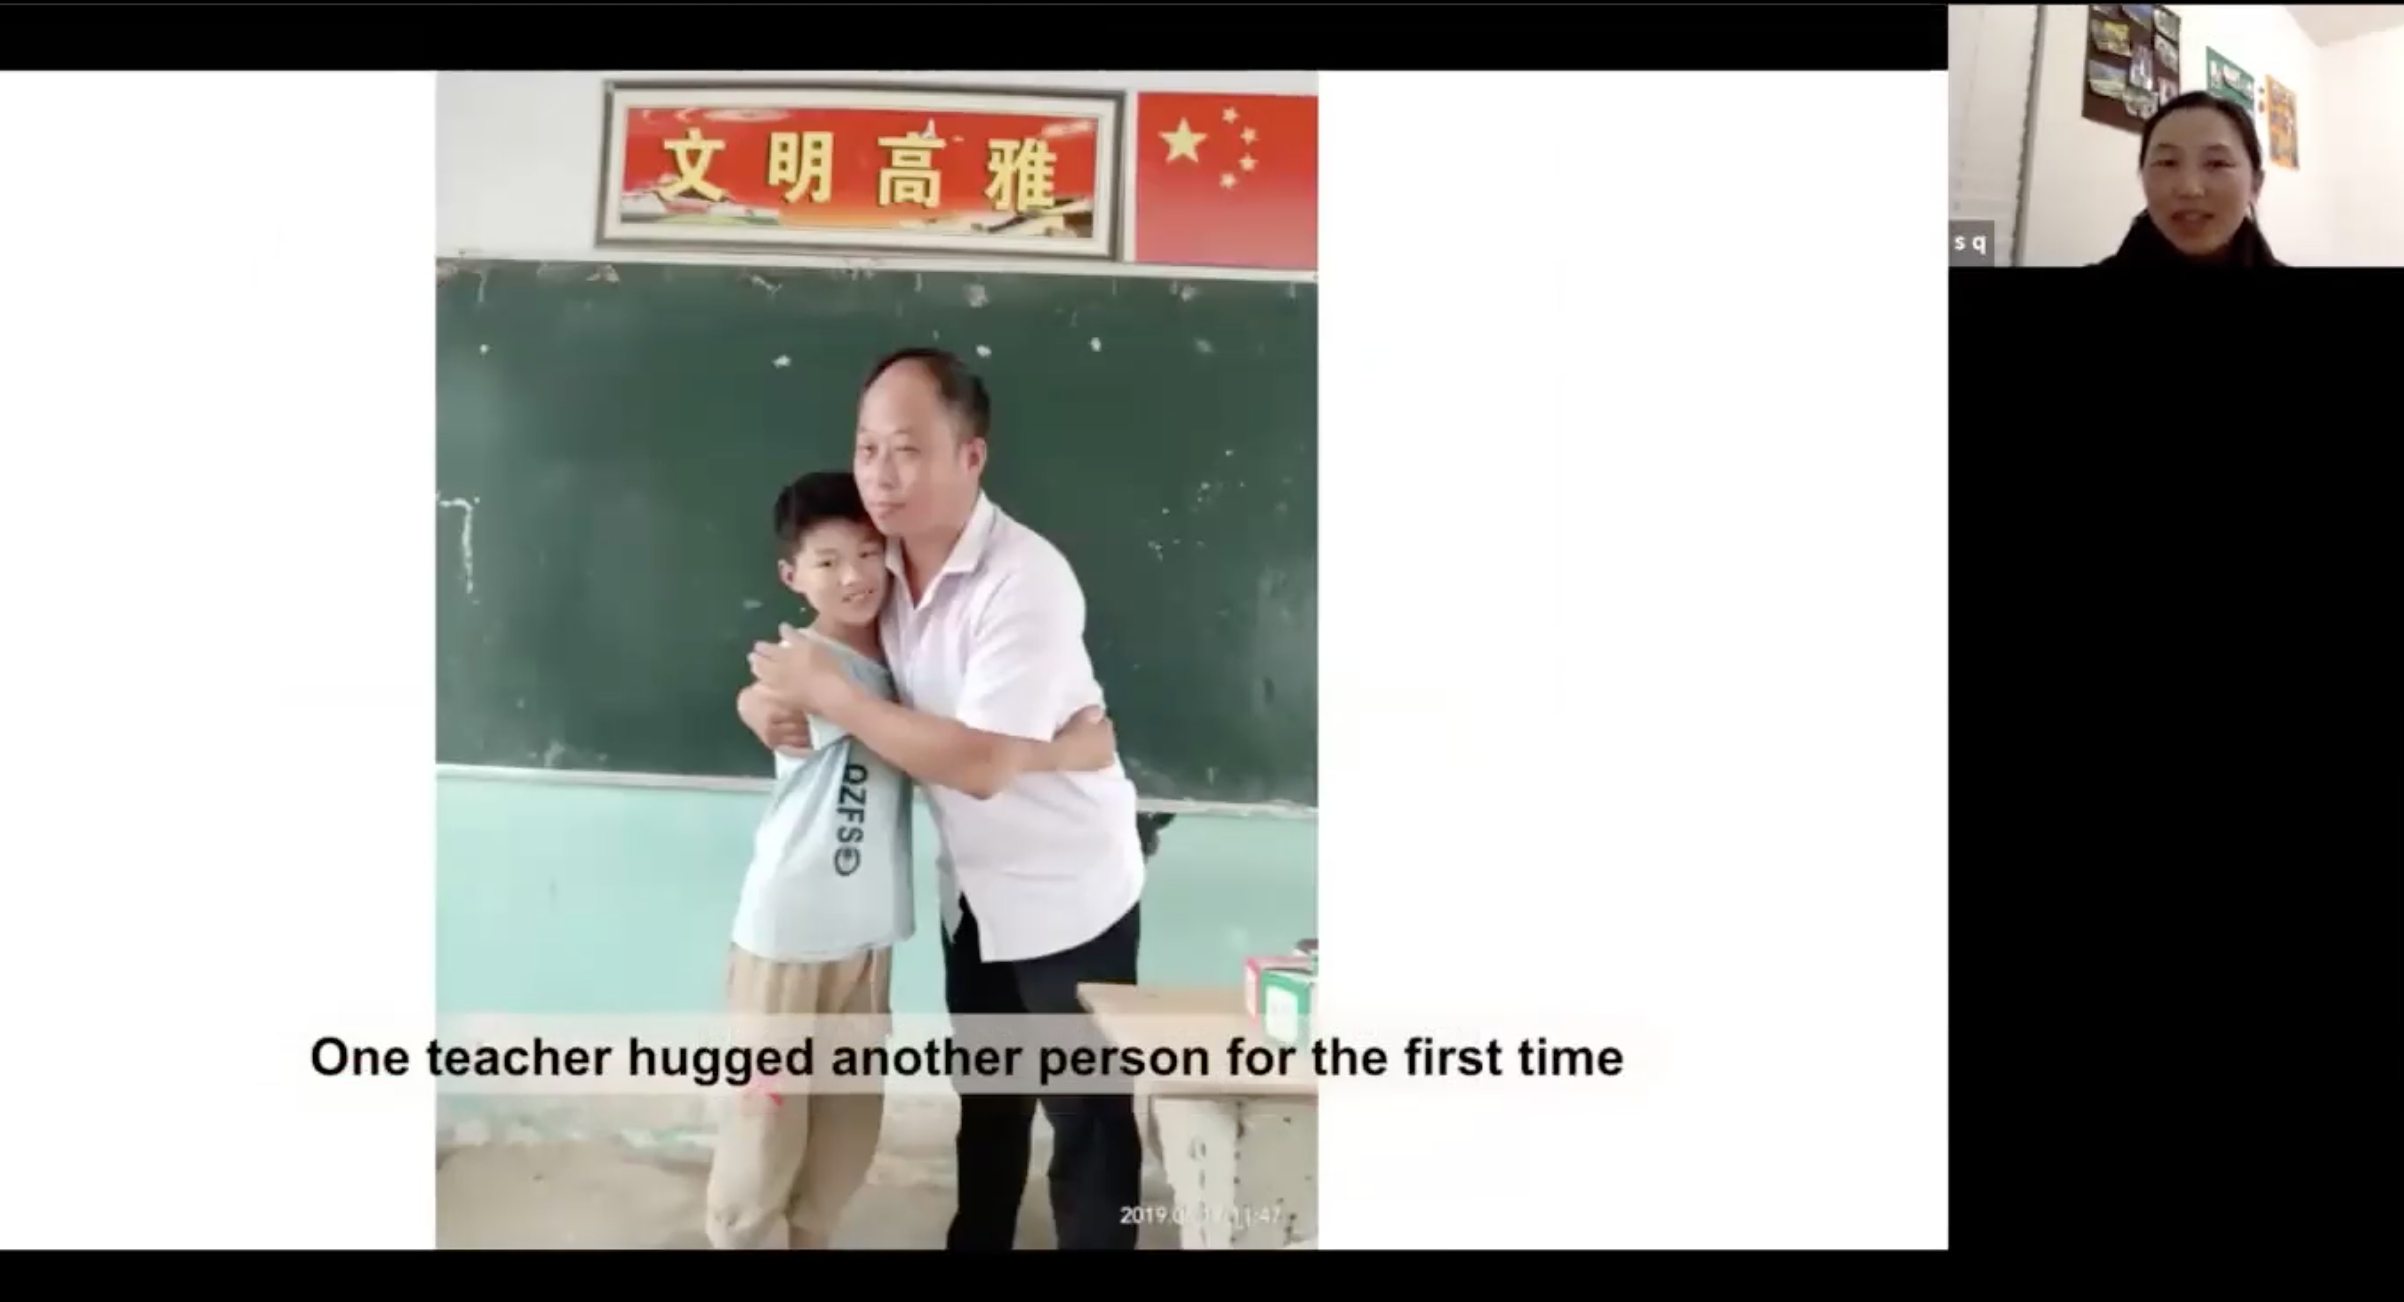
<point>611,436</point>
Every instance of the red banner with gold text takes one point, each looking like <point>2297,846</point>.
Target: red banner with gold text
<point>864,169</point>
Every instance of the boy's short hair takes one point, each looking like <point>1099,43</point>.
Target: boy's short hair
<point>812,500</point>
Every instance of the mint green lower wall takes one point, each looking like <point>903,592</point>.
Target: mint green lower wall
<point>567,899</point>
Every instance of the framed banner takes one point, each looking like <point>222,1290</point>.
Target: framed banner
<point>866,169</point>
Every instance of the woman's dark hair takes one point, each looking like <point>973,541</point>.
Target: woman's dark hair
<point>2238,118</point>
<point>2146,244</point>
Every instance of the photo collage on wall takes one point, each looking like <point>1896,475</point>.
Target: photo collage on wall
<point>2132,63</point>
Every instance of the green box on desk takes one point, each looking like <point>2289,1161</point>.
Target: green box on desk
<point>1286,998</point>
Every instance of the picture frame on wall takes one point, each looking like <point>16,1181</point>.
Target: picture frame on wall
<point>2224,78</point>
<point>2133,64</point>
<point>863,169</point>
<point>2280,123</point>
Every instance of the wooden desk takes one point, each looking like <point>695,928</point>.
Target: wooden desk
<point>1241,1153</point>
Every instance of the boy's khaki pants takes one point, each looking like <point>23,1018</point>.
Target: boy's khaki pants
<point>787,1164</point>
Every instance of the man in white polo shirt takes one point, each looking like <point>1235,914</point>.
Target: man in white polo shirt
<point>1041,873</point>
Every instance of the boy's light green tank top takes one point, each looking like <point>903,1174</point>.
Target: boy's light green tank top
<point>830,862</point>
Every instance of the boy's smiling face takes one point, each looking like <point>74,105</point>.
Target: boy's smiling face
<point>839,568</point>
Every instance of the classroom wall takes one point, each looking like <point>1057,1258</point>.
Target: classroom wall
<point>560,899</point>
<point>518,154</point>
<point>567,899</point>
<point>567,896</point>
<point>2082,176</point>
<point>2363,123</point>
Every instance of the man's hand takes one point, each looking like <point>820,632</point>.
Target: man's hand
<point>778,724</point>
<point>1087,744</point>
<point>797,670</point>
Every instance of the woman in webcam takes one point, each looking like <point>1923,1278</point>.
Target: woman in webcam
<point>2202,167</point>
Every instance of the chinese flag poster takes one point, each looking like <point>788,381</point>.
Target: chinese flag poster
<point>1227,180</point>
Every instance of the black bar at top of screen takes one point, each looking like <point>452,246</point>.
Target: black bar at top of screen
<point>1638,38</point>
<point>1158,38</point>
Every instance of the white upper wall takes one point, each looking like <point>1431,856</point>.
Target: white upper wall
<point>2359,133</point>
<point>518,154</point>
<point>2083,187</point>
<point>2330,24</point>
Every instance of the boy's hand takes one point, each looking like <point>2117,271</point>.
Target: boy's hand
<point>778,724</point>
<point>798,670</point>
<point>1088,742</point>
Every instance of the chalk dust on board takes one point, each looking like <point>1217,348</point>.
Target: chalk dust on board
<point>466,506</point>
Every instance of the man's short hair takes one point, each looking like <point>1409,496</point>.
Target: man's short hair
<point>812,500</point>
<point>962,393</point>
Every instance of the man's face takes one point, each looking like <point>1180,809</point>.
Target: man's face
<point>915,471</point>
